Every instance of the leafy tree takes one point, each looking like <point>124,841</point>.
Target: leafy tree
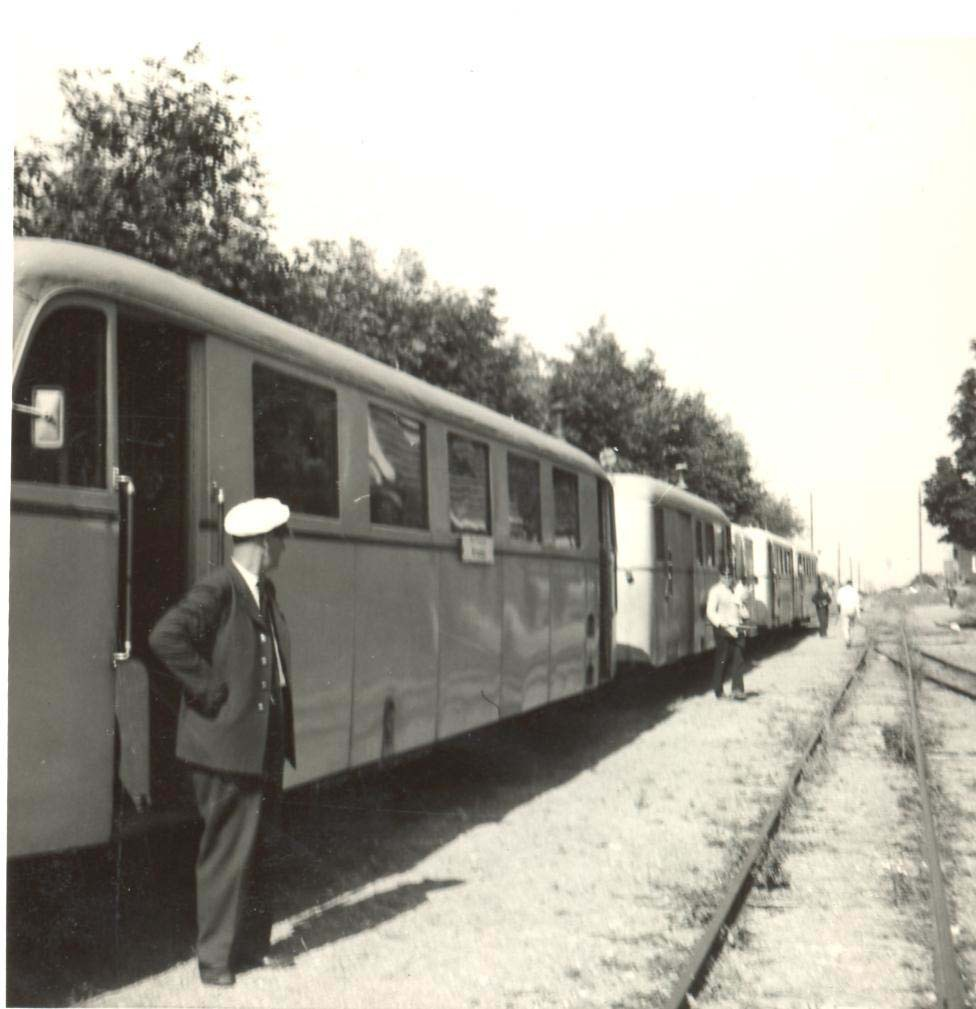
<point>950,493</point>
<point>162,171</point>
<point>776,514</point>
<point>601,397</point>
<point>442,336</point>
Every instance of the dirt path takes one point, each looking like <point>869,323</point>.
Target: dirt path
<point>581,858</point>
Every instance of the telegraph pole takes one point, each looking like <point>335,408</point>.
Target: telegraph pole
<point>920,532</point>
<point>811,522</point>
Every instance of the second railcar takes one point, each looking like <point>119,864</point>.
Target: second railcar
<point>672,545</point>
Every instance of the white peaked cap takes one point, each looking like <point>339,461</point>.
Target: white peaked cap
<point>256,517</point>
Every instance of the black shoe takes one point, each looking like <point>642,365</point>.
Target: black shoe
<point>738,695</point>
<point>214,976</point>
<point>719,695</point>
<point>270,961</point>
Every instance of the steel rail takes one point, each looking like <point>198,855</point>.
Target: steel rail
<point>948,684</point>
<point>948,982</point>
<point>697,965</point>
<point>947,663</point>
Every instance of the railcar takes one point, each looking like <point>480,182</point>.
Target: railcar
<point>783,577</point>
<point>672,545</point>
<point>448,566</point>
<point>806,585</point>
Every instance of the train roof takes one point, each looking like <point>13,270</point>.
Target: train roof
<point>656,491</point>
<point>44,267</point>
<point>783,541</point>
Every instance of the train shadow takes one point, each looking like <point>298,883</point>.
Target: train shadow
<point>92,921</point>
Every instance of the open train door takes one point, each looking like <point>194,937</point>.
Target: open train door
<point>153,396</point>
<point>608,578</point>
<point>64,555</point>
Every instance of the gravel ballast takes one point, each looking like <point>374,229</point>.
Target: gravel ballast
<point>584,892</point>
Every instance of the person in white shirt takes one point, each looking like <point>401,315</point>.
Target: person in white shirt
<point>724,612</point>
<point>849,604</point>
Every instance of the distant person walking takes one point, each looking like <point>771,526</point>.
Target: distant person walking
<point>724,612</point>
<point>821,601</point>
<point>951,593</point>
<point>849,604</point>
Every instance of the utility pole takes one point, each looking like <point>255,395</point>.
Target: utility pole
<point>920,532</point>
<point>811,522</point>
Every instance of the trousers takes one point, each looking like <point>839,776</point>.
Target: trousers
<point>728,658</point>
<point>241,824</point>
<point>847,621</point>
<point>823,615</point>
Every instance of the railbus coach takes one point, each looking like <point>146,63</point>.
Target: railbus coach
<point>449,566</point>
<point>783,577</point>
<point>672,546</point>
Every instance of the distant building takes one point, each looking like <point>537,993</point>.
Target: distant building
<point>962,567</point>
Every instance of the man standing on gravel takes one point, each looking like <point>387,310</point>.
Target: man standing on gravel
<point>227,643</point>
<point>849,604</point>
<point>724,612</point>
<point>821,601</point>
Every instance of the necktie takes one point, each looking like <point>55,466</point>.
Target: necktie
<point>265,604</point>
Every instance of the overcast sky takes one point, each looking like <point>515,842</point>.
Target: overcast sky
<point>784,211</point>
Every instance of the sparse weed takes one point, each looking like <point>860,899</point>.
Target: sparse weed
<point>899,743</point>
<point>769,873</point>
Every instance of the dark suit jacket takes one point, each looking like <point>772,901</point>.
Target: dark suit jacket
<point>217,644</point>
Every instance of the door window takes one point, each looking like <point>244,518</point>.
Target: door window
<point>66,353</point>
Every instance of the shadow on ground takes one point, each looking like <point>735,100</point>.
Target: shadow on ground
<point>86,922</point>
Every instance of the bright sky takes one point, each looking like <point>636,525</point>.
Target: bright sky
<point>784,211</point>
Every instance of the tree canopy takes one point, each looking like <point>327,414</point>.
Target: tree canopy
<point>161,168</point>
<point>950,493</point>
<point>654,429</point>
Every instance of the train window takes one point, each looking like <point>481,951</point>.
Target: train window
<point>750,558</point>
<point>660,543</point>
<point>295,443</point>
<point>710,545</point>
<point>397,470</point>
<point>524,511</point>
<point>470,496</point>
<point>565,488</point>
<point>67,353</point>
<point>699,542</point>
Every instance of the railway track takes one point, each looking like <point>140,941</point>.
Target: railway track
<point>959,678</point>
<point>707,978</point>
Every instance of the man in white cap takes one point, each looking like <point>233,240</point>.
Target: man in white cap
<point>227,643</point>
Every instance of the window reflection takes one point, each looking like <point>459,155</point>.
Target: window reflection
<point>524,509</point>
<point>295,443</point>
<point>470,505</point>
<point>397,470</point>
